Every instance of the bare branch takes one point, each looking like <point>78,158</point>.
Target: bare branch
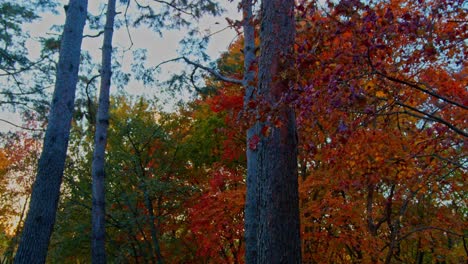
<point>192,80</point>
<point>175,7</point>
<point>167,61</point>
<point>21,127</point>
<point>213,72</point>
<point>127,27</point>
<point>94,36</point>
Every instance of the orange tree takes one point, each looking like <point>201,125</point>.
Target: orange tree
<point>381,109</point>
<point>217,212</point>
<point>380,96</point>
<point>18,157</point>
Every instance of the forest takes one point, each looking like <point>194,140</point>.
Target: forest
<point>329,131</point>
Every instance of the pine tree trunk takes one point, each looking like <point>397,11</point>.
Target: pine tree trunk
<point>251,201</point>
<point>278,231</point>
<point>100,142</point>
<point>46,189</point>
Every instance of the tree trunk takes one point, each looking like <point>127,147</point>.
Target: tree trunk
<point>251,201</point>
<point>154,229</point>
<point>46,189</point>
<point>278,231</point>
<point>100,142</point>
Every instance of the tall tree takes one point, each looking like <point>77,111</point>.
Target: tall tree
<point>46,190</point>
<point>272,210</point>
<point>251,212</point>
<point>100,142</point>
<point>278,204</point>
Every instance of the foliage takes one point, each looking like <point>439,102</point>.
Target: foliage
<point>22,78</point>
<point>13,16</point>
<point>382,169</point>
<point>379,89</point>
<point>216,219</point>
<point>377,147</point>
<point>18,161</point>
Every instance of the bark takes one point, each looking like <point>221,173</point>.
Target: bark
<point>278,231</point>
<point>154,229</point>
<point>46,189</point>
<point>100,142</point>
<point>251,204</point>
<point>419,253</point>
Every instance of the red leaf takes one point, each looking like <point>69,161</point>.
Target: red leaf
<point>266,131</point>
<point>253,142</point>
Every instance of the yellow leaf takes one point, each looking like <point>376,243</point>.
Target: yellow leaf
<point>380,94</point>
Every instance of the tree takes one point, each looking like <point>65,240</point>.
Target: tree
<point>12,40</point>
<point>271,178</point>
<point>46,190</point>
<point>23,77</point>
<point>18,165</point>
<point>251,205</point>
<point>148,188</point>
<point>150,184</point>
<point>217,212</point>
<point>102,124</point>
<point>369,166</point>
<point>380,108</point>
<point>265,170</point>
<point>374,132</point>
<point>278,204</point>
<point>216,218</point>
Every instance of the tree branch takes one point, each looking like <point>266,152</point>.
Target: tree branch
<point>175,8</point>
<point>423,228</point>
<point>432,118</point>
<point>21,127</point>
<point>127,27</point>
<point>94,36</point>
<point>213,72</point>
<point>417,87</point>
<point>192,80</point>
<point>412,85</point>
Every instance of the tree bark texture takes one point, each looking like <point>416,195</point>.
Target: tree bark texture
<point>100,142</point>
<point>251,208</point>
<point>278,231</point>
<point>46,189</point>
<point>154,229</point>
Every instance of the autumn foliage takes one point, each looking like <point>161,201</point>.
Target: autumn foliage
<point>380,94</point>
<point>379,90</point>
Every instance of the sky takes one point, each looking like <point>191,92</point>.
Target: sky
<point>160,48</point>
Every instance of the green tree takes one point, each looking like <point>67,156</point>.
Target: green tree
<point>147,188</point>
